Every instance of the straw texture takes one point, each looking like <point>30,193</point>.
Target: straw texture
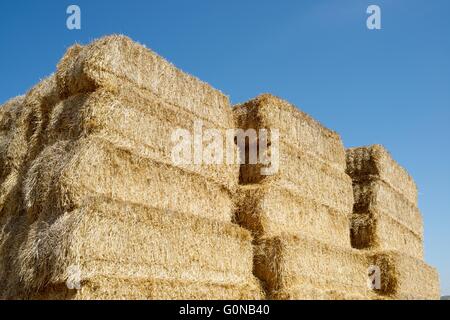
<point>308,177</point>
<point>405,277</point>
<point>88,182</point>
<point>302,268</point>
<point>66,172</point>
<point>105,288</point>
<point>380,232</point>
<point>114,60</point>
<point>374,195</point>
<point>299,130</point>
<point>385,216</point>
<point>11,130</point>
<point>300,215</point>
<point>138,121</point>
<point>89,194</point>
<point>106,238</point>
<point>273,209</point>
<point>364,162</point>
<point>310,194</point>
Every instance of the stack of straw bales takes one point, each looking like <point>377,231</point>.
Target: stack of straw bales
<point>387,223</point>
<point>310,194</point>
<point>300,215</point>
<point>92,205</point>
<point>89,193</point>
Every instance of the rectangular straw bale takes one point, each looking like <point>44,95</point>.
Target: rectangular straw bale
<point>182,246</point>
<point>114,239</point>
<point>290,265</point>
<point>406,278</point>
<point>13,228</point>
<point>9,119</point>
<point>20,126</point>
<point>113,60</point>
<point>38,105</point>
<point>381,232</point>
<point>43,96</point>
<point>376,196</point>
<point>273,209</point>
<point>9,112</point>
<point>13,149</point>
<point>365,162</point>
<point>296,128</point>
<point>310,178</point>
<point>143,123</point>
<point>67,172</point>
<point>106,288</point>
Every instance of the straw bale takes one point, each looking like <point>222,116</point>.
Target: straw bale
<point>307,177</point>
<point>378,231</point>
<point>295,267</point>
<point>9,120</point>
<point>365,162</point>
<point>87,182</point>
<point>273,209</point>
<point>113,60</point>
<point>13,228</point>
<point>106,288</point>
<point>21,126</point>
<point>406,278</point>
<point>10,114</point>
<point>297,129</point>
<point>68,171</point>
<point>43,95</point>
<point>143,123</point>
<point>13,150</point>
<point>108,238</point>
<point>308,291</point>
<point>376,196</point>
<point>385,219</point>
<point>38,104</point>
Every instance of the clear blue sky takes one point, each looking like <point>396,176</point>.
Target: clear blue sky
<point>390,86</point>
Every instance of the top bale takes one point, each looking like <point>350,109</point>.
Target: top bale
<point>365,163</point>
<point>297,129</point>
<point>113,60</point>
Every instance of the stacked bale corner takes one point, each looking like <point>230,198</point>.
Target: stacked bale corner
<point>387,223</point>
<point>299,215</point>
<point>98,201</point>
<point>385,214</point>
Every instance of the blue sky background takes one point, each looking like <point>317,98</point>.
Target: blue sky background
<point>390,86</point>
